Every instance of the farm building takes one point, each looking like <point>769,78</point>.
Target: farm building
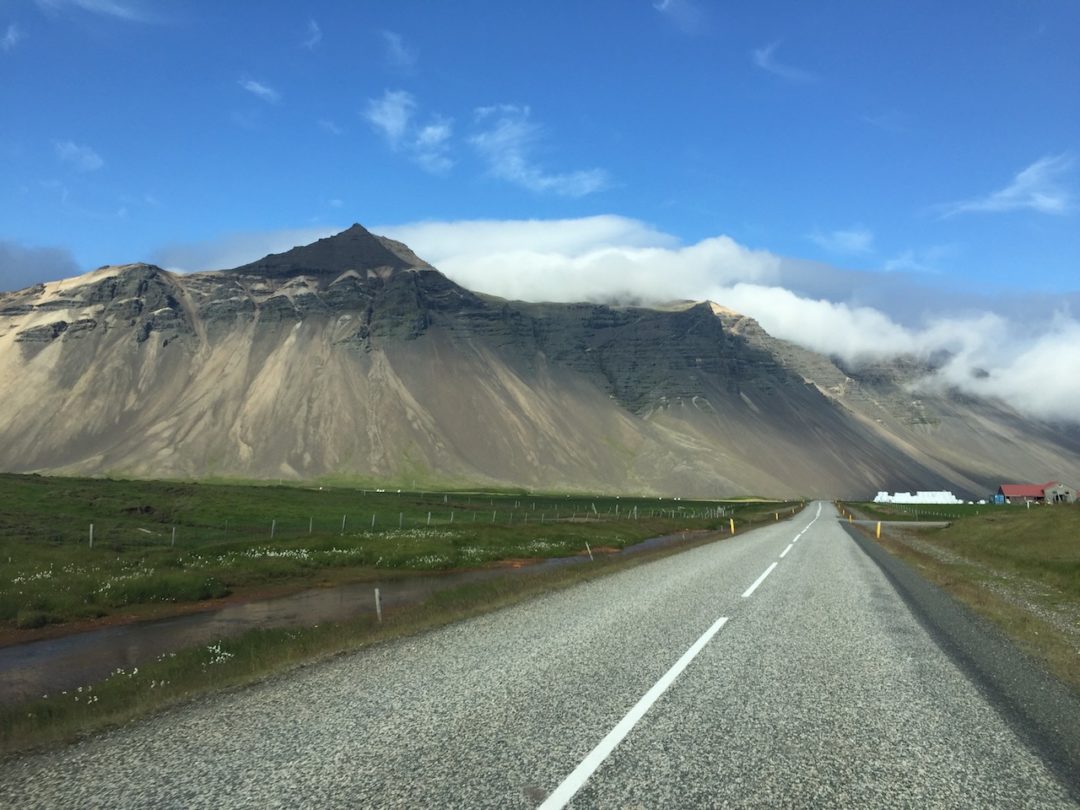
<point>1050,492</point>
<point>917,497</point>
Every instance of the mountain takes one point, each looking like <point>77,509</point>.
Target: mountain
<point>354,359</point>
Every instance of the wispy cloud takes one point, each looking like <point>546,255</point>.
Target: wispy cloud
<point>313,36</point>
<point>1036,188</point>
<point>119,9</point>
<point>82,158</point>
<point>765,59</point>
<point>428,145</point>
<point>260,90</point>
<point>13,35</point>
<point>926,261</point>
<point>431,146</point>
<point>506,140</point>
<point>399,56</point>
<point>854,241</point>
<point>326,125</point>
<point>684,14</point>
<point>390,115</point>
<point>892,121</point>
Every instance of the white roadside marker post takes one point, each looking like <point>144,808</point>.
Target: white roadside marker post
<point>378,605</point>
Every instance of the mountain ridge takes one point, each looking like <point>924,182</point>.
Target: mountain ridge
<point>353,357</point>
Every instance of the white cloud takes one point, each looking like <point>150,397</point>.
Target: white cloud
<point>127,11</point>
<point>13,35</point>
<point>854,241</point>
<point>82,158</point>
<point>614,258</point>
<point>398,55</point>
<point>506,141</point>
<point>390,115</point>
<point>431,146</point>
<point>1036,188</point>
<point>313,36</point>
<point>595,258</point>
<point>428,145</point>
<point>260,90</point>
<point>764,58</point>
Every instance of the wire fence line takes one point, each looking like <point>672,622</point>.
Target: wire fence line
<point>111,534</point>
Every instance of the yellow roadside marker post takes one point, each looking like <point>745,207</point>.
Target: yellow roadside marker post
<point>732,522</point>
<point>879,530</point>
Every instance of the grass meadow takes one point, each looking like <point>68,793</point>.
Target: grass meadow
<point>74,549</point>
<point>49,573</point>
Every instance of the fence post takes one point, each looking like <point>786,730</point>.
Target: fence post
<point>91,535</point>
<point>378,604</point>
<point>273,525</point>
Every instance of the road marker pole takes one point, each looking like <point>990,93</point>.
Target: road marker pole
<point>91,535</point>
<point>879,530</point>
<point>378,605</point>
<point>731,521</point>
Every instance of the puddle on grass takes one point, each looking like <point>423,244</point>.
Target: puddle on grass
<point>49,666</point>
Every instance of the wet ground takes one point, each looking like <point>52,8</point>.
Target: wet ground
<point>47,666</point>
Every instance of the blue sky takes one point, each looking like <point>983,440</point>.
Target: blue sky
<point>867,149</point>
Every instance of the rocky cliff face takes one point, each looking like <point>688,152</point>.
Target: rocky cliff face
<point>353,358</point>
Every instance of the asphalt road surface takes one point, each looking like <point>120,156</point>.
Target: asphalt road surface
<point>779,668</point>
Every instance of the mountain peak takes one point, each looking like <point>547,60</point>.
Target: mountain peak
<point>355,248</point>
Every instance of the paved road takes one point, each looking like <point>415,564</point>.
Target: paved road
<point>674,684</point>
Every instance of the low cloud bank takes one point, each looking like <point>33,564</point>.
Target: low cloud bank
<point>1023,349</point>
<point>1034,367</point>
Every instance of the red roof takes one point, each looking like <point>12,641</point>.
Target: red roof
<point>1023,490</point>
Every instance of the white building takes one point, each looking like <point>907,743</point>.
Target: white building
<point>917,497</point>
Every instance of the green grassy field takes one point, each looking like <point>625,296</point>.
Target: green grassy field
<point>166,543</point>
<point>48,567</point>
<point>895,511</point>
<point>1017,566</point>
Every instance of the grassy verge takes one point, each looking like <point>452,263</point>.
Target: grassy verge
<point>80,549</point>
<point>1017,567</point>
<point>175,678</point>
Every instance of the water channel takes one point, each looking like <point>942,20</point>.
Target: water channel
<point>49,666</point>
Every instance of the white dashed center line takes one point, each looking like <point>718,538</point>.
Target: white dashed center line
<point>574,782</point>
<point>758,581</point>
